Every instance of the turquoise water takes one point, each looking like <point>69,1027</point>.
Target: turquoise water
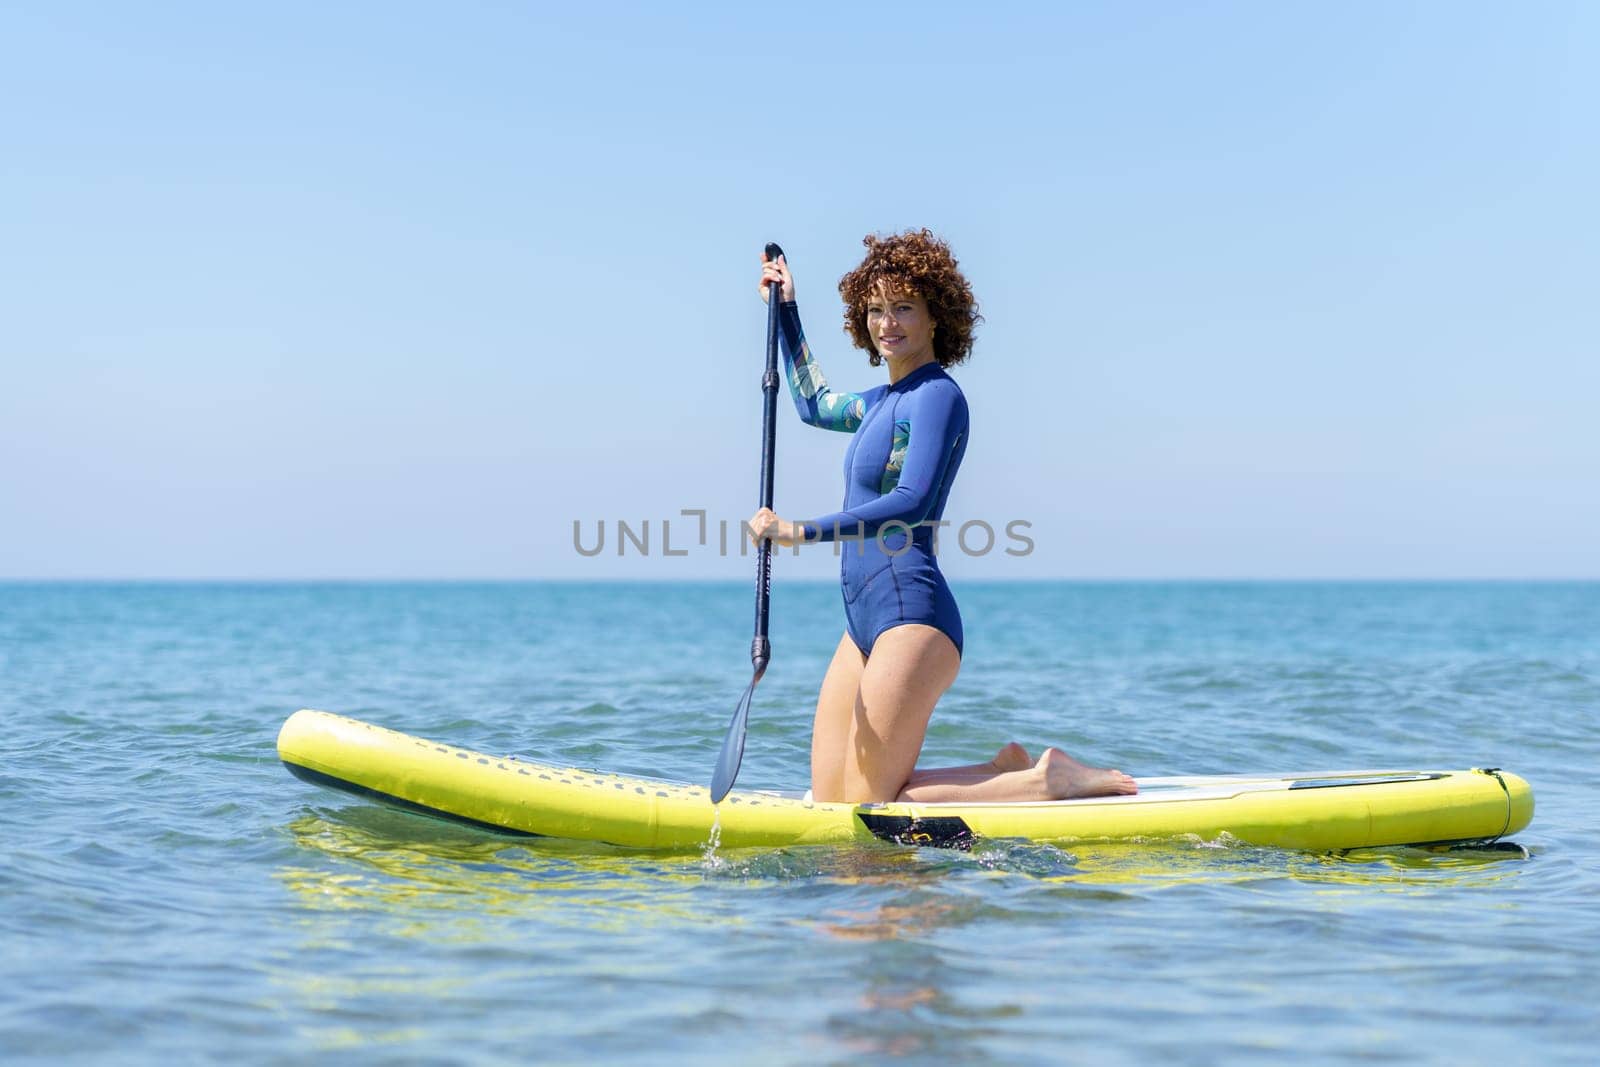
<point>171,892</point>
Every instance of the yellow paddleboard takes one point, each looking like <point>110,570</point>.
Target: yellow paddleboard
<point>1325,811</point>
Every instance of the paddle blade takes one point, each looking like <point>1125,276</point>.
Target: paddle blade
<point>733,746</point>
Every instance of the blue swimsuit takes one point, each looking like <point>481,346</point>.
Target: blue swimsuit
<point>908,441</point>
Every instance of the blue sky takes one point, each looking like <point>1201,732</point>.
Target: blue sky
<point>403,290</point>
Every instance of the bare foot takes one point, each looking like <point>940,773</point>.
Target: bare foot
<point>1011,757</point>
<point>1066,778</point>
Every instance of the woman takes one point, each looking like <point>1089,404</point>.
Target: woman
<point>909,306</point>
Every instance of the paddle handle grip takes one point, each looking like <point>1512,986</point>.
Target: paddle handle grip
<point>774,289</point>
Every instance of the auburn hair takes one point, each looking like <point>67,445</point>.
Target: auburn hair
<point>915,262</point>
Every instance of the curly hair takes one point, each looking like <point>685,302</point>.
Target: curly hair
<point>918,262</point>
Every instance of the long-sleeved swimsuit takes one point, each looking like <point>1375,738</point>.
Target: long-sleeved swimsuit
<point>908,440</point>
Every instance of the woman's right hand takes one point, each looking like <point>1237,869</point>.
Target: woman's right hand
<point>776,271</point>
<point>766,524</point>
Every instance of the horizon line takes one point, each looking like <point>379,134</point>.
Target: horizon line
<point>803,580</point>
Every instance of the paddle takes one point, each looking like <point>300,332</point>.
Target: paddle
<point>760,648</point>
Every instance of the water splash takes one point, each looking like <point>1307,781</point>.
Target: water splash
<point>708,855</point>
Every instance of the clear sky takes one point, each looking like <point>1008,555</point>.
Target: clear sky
<point>402,290</point>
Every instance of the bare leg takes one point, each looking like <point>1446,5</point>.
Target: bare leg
<point>910,668</point>
<point>872,716</point>
<point>1011,757</point>
<point>1057,776</point>
<point>830,730</point>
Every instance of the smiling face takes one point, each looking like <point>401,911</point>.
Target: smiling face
<point>900,326</point>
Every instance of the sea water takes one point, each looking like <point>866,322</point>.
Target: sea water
<point>169,893</point>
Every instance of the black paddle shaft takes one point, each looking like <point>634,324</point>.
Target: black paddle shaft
<point>761,647</point>
<point>732,753</point>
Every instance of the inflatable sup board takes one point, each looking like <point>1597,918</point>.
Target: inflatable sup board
<point>1325,811</point>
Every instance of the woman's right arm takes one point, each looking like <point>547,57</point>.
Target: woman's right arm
<point>817,404</point>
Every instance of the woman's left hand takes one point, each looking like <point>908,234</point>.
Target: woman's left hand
<point>766,524</point>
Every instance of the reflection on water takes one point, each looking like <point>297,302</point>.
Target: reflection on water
<point>1154,863</point>
<point>424,864</point>
<point>893,921</point>
<point>902,940</point>
<point>409,865</point>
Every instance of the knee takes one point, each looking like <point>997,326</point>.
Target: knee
<point>869,782</point>
<point>868,795</point>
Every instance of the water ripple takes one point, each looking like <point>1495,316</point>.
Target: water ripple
<point>168,888</point>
